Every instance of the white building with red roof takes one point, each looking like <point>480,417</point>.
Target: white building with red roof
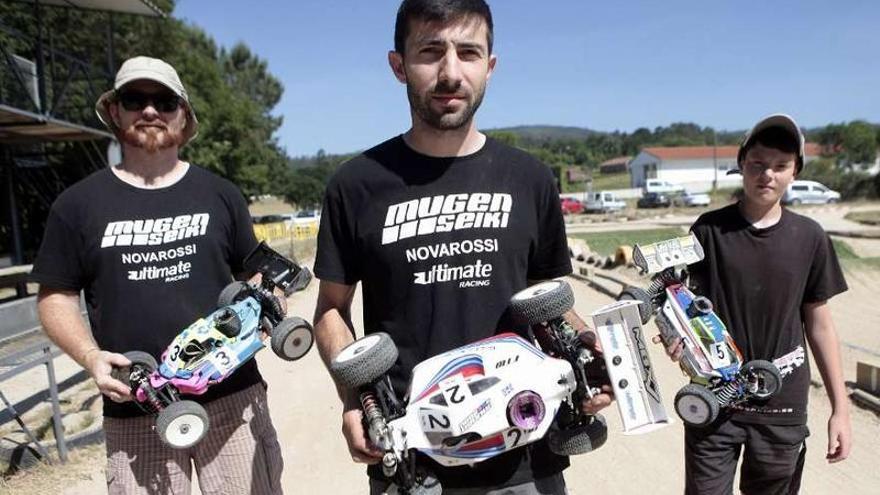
<point>697,168</point>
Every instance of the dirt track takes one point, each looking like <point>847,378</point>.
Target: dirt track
<point>307,416</point>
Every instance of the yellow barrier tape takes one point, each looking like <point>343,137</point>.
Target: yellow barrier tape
<point>275,231</point>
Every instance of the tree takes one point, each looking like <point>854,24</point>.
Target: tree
<point>859,143</point>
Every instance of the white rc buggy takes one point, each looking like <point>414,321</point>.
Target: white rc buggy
<point>711,358</point>
<point>477,401</point>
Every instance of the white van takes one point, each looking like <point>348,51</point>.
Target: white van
<point>662,186</point>
<point>604,201</point>
<point>809,192</point>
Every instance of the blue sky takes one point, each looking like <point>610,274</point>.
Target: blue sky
<point>602,65</point>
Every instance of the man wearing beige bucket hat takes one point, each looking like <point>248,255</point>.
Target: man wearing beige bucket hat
<point>152,241</point>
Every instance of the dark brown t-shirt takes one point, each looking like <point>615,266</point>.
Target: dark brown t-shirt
<point>758,280</point>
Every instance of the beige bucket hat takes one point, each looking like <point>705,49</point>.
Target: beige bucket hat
<point>151,69</point>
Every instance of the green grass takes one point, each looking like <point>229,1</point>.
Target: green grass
<point>604,243</point>
<point>851,261</point>
<point>870,217</point>
<point>603,182</point>
<point>860,264</point>
<point>844,252</point>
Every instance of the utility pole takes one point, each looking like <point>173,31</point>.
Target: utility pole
<point>715,159</point>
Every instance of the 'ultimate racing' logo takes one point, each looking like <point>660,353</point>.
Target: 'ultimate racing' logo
<point>475,275</point>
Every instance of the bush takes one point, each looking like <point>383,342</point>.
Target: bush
<point>850,184</point>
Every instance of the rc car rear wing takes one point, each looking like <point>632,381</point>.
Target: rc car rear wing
<point>654,258</point>
<point>284,273</point>
<point>629,367</point>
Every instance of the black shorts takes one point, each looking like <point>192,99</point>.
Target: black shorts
<point>773,458</point>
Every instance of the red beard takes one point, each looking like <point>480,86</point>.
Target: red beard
<point>151,139</point>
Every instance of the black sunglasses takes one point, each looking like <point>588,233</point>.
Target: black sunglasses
<point>135,101</point>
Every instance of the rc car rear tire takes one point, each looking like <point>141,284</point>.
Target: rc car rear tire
<point>292,338</point>
<point>542,302</point>
<point>646,309</point>
<point>232,293</point>
<point>769,378</point>
<point>182,424</point>
<point>696,405</point>
<point>137,358</point>
<point>364,360</point>
<point>579,439</point>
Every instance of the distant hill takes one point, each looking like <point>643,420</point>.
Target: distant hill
<point>540,133</point>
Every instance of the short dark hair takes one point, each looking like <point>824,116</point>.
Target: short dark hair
<point>438,11</point>
<point>777,138</point>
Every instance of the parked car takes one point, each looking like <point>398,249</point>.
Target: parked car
<point>603,201</point>
<point>808,191</point>
<point>654,200</point>
<point>688,198</point>
<point>264,219</point>
<point>307,216</point>
<point>662,186</point>
<point>571,205</point>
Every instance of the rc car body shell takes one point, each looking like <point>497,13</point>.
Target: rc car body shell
<point>201,355</point>
<point>711,352</point>
<point>458,408</point>
<point>710,358</point>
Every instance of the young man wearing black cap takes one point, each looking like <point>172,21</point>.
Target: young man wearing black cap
<point>769,273</point>
<point>152,241</point>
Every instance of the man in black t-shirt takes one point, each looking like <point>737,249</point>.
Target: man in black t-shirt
<point>151,242</point>
<point>441,226</point>
<point>769,273</point>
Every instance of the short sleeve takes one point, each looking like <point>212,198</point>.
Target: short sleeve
<point>337,259</point>
<point>59,261</point>
<point>698,272</point>
<point>244,240</point>
<point>826,278</point>
<point>550,257</point>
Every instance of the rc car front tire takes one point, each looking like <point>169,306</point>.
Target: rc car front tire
<point>646,309</point>
<point>769,381</point>
<point>542,302</point>
<point>182,424</point>
<point>292,338</point>
<point>579,439</point>
<point>428,486</point>
<point>137,358</point>
<point>232,293</point>
<point>696,405</point>
<point>364,360</point>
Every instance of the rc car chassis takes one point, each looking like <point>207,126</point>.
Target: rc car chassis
<point>711,358</point>
<point>212,348</point>
<point>477,401</point>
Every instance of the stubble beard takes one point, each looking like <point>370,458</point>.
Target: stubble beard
<point>444,121</point>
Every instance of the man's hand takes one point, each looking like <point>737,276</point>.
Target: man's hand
<point>839,437</point>
<point>602,400</point>
<point>599,401</point>
<point>257,279</point>
<point>674,349</point>
<point>359,446</point>
<point>100,365</point>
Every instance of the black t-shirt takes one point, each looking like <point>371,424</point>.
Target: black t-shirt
<point>440,245</point>
<point>151,261</point>
<point>758,280</point>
